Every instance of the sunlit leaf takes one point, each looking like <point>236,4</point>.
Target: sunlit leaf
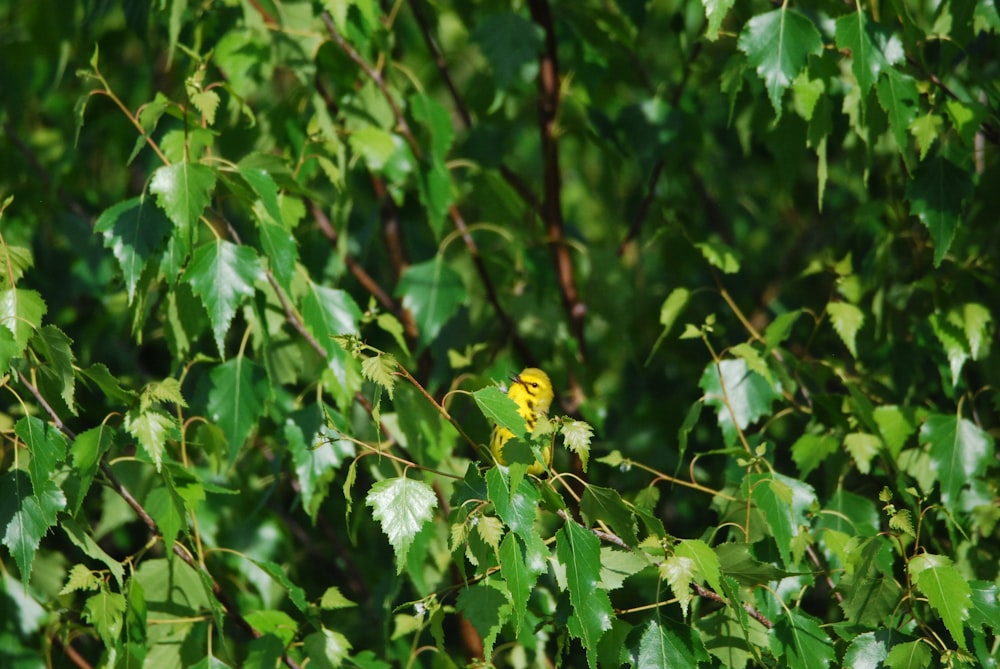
<point>222,275</point>
<point>579,551</point>
<point>947,591</point>
<point>778,44</point>
<point>183,190</point>
<point>959,449</point>
<point>401,506</point>
<point>134,230</point>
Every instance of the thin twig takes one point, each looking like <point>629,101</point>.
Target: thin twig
<point>363,277</point>
<point>702,591</point>
<point>491,292</point>
<point>377,78</point>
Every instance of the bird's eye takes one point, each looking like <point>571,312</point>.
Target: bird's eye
<point>534,385</point>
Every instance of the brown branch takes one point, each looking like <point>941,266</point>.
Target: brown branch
<point>715,597</point>
<point>377,78</point>
<point>363,277</point>
<point>491,292</point>
<point>548,107</point>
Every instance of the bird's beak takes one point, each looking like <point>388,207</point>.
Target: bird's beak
<point>516,378</point>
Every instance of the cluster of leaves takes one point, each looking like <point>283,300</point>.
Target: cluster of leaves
<point>285,251</point>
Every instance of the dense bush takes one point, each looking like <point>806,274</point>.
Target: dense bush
<point>266,265</point>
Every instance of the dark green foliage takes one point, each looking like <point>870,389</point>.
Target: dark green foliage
<point>263,265</point>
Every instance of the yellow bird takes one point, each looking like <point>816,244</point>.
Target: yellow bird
<point>532,391</point>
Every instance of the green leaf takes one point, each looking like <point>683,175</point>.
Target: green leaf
<point>862,447</point>
<point>899,97</point>
<point>375,145</point>
<point>749,395</point>
<point>278,623</point>
<point>755,361</point>
<point>606,505</point>
<point>810,451</point>
<point>222,275</point>
<point>86,543</point>
<point>151,428</point>
<point>14,262</point>
<point>801,642</point>
<point>663,645</point>
<point>333,599</point>
<point>379,369</point>
<point>296,594</point>
<point>777,45</point>
<point>946,590</point>
<point>579,551</point>
<point>926,129</point>
<point>720,255</point>
<point>985,600</point>
<point>280,250</point>
<point>401,506</point>
<point>327,649</point>
<point>954,343</point>
<point>500,409</point>
<point>167,509</point>
<point>236,400</point>
<point>896,425</point>
<point>868,650</point>
<point>509,42</point>
<point>577,436</point>
<point>959,450</point>
<point>134,230</point>
<point>435,189</point>
<point>519,579</point>
<point>183,190</point>
<point>847,320</point>
<point>909,655</point>
<point>515,507</point>
<point>704,559</point>
<point>105,611</point>
<point>29,519</point>
<point>431,291</point>
<point>107,383</point>
<point>734,641</point>
<point>47,447</point>
<point>869,595</point>
<point>487,607</point>
<point>785,503</point>
<point>679,572</point>
<point>715,12</point>
<point>872,48</point>
<point>80,578</point>
<point>21,312</point>
<point>937,195</point>
<point>329,312</point>
<point>618,565</point>
<point>8,349</point>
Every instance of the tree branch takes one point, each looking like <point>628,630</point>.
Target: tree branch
<point>548,108</point>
